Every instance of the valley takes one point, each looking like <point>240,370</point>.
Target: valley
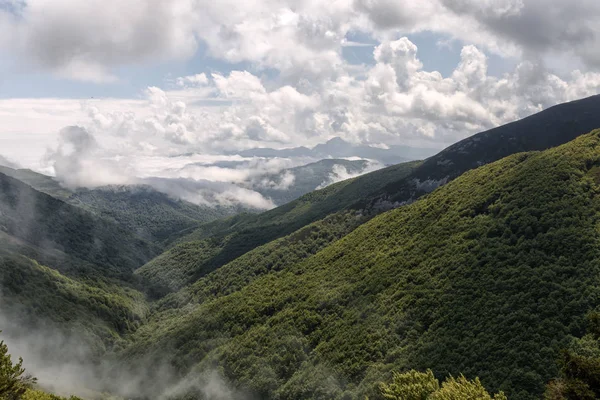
<point>481,260</point>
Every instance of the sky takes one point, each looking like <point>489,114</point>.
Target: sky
<point>100,91</point>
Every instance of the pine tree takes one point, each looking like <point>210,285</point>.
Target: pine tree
<point>13,381</point>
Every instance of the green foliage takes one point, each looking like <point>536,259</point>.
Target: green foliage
<point>411,385</point>
<point>488,276</point>
<point>463,389</point>
<point>217,243</point>
<point>32,394</point>
<point>152,215</point>
<point>101,308</point>
<point>579,376</point>
<point>13,381</point>
<point>414,385</point>
<point>46,222</point>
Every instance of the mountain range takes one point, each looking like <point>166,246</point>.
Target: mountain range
<point>339,148</point>
<point>480,260</point>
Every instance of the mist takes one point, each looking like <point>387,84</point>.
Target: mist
<point>66,362</point>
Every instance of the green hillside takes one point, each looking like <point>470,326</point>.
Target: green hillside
<point>43,183</point>
<point>307,178</point>
<point>221,241</point>
<point>216,243</point>
<point>149,213</point>
<point>489,275</point>
<point>46,222</point>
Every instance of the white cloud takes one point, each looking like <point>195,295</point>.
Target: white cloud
<point>297,89</point>
<point>85,40</point>
<point>79,161</point>
<point>340,173</point>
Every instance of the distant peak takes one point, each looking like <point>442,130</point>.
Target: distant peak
<point>337,140</point>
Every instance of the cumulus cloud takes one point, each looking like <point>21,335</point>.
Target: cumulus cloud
<point>86,40</point>
<point>297,89</point>
<point>78,161</point>
<point>192,80</point>
<point>302,40</point>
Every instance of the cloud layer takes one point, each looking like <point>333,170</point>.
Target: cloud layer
<point>284,80</point>
<point>87,40</point>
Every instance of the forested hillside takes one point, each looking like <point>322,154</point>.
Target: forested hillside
<point>148,213</point>
<point>64,266</point>
<point>47,222</point>
<point>488,276</point>
<point>368,195</point>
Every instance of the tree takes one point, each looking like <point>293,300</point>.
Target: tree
<point>411,385</point>
<point>414,385</point>
<point>579,377</point>
<point>13,381</point>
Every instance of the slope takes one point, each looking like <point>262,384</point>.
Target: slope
<point>151,214</point>
<point>216,243</point>
<point>40,182</point>
<point>370,194</point>
<point>49,223</point>
<point>292,183</point>
<point>552,127</point>
<point>489,276</point>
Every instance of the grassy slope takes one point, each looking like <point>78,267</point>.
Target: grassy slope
<point>488,276</point>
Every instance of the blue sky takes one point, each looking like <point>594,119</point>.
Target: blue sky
<point>18,81</point>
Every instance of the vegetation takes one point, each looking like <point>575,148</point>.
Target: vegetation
<point>413,385</point>
<point>384,189</point>
<point>222,241</point>
<point>579,376</point>
<point>307,178</point>
<point>488,276</point>
<point>152,215</point>
<point>46,222</point>
<point>13,381</point>
<point>15,384</point>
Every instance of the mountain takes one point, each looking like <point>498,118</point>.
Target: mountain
<point>63,266</point>
<point>43,183</point>
<point>489,275</point>
<point>290,184</point>
<point>339,148</point>
<point>373,193</point>
<point>224,240</point>
<point>151,214</point>
<point>551,127</point>
<point>449,264</point>
<point>47,222</point>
